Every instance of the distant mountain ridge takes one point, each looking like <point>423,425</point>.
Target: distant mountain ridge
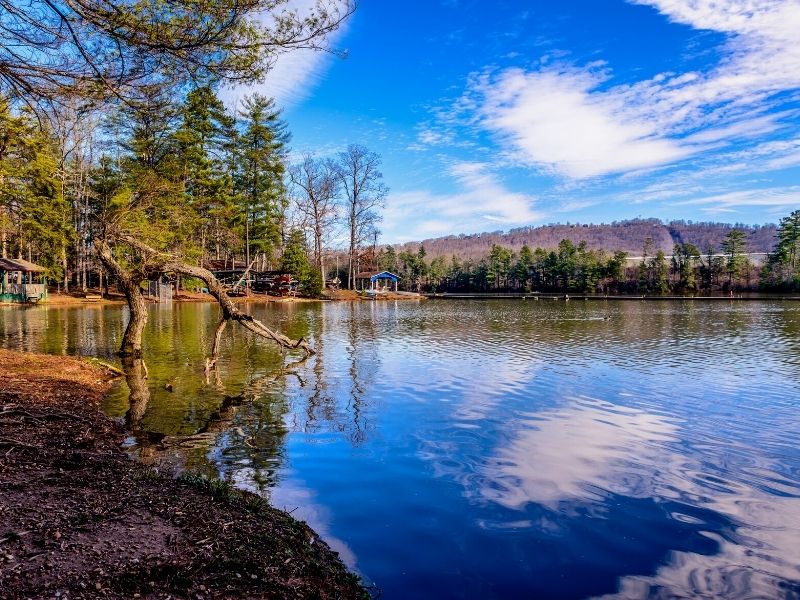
<point>628,236</point>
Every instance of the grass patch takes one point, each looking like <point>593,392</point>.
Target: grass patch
<point>225,492</point>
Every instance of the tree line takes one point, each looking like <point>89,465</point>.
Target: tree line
<point>184,174</point>
<point>576,268</point>
<point>115,149</point>
<point>627,236</point>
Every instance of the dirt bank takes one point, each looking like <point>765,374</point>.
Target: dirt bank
<point>78,519</point>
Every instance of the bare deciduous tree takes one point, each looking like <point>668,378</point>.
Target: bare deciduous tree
<point>364,192</point>
<point>315,185</point>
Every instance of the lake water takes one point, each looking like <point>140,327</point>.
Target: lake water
<point>490,449</point>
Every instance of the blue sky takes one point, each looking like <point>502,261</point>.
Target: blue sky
<point>494,115</point>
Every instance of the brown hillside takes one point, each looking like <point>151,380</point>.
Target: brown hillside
<point>628,236</point>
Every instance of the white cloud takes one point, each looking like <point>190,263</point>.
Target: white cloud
<point>777,197</point>
<point>556,122</point>
<point>569,121</point>
<point>482,202</point>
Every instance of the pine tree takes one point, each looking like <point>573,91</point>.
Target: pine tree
<point>660,270</point>
<point>684,262</point>
<point>204,140</point>
<point>734,246</point>
<point>645,270</point>
<point>783,264</point>
<point>261,156</point>
<point>34,222</point>
<point>295,257</point>
<point>13,133</point>
<point>387,259</point>
<point>522,270</point>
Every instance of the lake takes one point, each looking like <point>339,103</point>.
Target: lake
<point>489,449</point>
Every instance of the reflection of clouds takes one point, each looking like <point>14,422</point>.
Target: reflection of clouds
<point>756,564</point>
<point>498,381</point>
<point>556,454</point>
<point>588,449</point>
<point>292,496</point>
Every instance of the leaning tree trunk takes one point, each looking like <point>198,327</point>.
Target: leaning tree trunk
<point>132,339</point>
<point>166,263</point>
<point>230,312</point>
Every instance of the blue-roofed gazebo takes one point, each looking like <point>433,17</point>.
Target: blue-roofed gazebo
<point>378,282</point>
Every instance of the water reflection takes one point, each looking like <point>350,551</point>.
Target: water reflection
<point>583,451</point>
<point>489,450</point>
<point>138,392</point>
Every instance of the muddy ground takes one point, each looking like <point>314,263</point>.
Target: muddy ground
<point>79,519</point>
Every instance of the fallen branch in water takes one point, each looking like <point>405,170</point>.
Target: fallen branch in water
<point>166,263</point>
<point>105,365</point>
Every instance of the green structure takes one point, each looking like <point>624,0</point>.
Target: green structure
<point>21,281</point>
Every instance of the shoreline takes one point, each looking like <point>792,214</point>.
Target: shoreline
<point>68,300</point>
<point>80,519</point>
<point>641,297</point>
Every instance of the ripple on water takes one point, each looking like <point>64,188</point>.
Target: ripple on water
<point>495,449</point>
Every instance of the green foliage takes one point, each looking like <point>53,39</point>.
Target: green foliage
<point>522,269</point>
<point>499,266</point>
<point>204,137</point>
<point>387,259</point>
<point>295,257</point>
<point>615,268</point>
<point>191,181</point>
<point>34,217</point>
<point>413,267</point>
<point>259,169</point>
<point>660,272</point>
<point>646,266</point>
<point>783,265</point>
<point>311,286</point>
<point>685,258</point>
<point>295,261</point>
<point>734,246</point>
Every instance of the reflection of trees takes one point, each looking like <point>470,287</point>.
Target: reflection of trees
<point>333,403</point>
<point>257,435</point>
<point>182,420</point>
<point>320,401</point>
<point>136,378</point>
<point>78,330</point>
<point>360,338</point>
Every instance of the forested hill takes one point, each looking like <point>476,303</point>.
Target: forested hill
<point>628,236</point>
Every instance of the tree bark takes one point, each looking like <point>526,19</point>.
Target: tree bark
<point>210,363</point>
<point>166,263</point>
<point>136,378</point>
<point>132,339</point>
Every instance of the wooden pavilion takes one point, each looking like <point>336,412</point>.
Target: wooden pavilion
<point>21,281</point>
<point>383,281</point>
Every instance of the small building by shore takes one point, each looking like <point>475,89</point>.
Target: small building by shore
<point>383,281</point>
<point>22,281</point>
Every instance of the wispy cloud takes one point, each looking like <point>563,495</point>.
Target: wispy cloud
<point>295,74</point>
<point>568,120</point>
<point>773,200</point>
<point>555,122</point>
<point>481,202</point>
